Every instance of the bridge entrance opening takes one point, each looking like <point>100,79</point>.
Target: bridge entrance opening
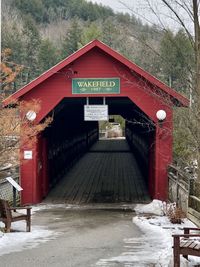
<point>98,162</point>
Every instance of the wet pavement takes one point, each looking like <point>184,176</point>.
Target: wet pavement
<point>86,235</point>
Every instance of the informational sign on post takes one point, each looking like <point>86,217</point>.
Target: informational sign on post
<point>96,112</point>
<point>16,187</point>
<point>14,184</point>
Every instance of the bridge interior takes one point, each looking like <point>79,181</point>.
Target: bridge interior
<point>84,169</point>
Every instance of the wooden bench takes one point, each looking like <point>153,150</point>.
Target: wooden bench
<point>186,244</point>
<point>9,214</point>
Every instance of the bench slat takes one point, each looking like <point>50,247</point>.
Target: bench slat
<point>194,245</point>
<point>186,243</point>
<point>197,246</point>
<point>190,244</point>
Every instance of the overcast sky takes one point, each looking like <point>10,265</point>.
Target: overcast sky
<point>141,9</point>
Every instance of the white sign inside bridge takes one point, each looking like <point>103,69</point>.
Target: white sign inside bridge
<point>96,112</point>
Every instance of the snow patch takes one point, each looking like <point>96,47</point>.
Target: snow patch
<point>154,247</point>
<point>19,240</point>
<point>155,207</point>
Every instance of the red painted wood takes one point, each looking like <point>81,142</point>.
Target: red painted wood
<point>99,61</point>
<point>40,172</point>
<point>107,51</point>
<point>28,174</point>
<point>45,178</point>
<point>151,171</point>
<point>163,156</point>
<point>58,86</point>
<point>33,176</point>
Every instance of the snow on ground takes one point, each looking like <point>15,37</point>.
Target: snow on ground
<point>155,207</point>
<point>154,248</point>
<point>19,240</point>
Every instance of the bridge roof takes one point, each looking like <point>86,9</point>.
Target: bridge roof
<point>178,99</point>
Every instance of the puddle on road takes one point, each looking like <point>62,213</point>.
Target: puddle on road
<point>73,217</point>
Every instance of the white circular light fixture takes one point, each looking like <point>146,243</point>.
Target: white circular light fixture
<point>31,115</point>
<point>161,115</point>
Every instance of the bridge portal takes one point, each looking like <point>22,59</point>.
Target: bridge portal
<point>98,75</point>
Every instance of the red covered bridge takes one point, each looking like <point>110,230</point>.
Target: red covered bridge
<point>98,74</point>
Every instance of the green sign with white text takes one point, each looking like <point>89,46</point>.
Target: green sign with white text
<point>96,86</point>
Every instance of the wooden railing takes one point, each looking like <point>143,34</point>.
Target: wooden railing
<point>181,191</point>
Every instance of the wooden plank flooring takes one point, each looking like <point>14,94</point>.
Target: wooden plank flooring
<point>108,173</point>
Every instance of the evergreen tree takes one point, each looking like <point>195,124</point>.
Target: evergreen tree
<point>47,56</point>
<point>71,40</point>
<point>12,38</point>
<point>177,54</point>
<point>110,32</point>
<point>34,8</point>
<point>91,33</point>
<point>146,56</point>
<point>32,42</point>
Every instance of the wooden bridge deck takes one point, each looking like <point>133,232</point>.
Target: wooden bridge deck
<point>108,173</point>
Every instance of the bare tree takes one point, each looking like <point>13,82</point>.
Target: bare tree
<point>14,126</point>
<point>176,12</point>
<point>192,8</point>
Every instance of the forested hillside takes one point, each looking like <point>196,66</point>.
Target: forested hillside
<point>37,34</point>
<point>40,33</point>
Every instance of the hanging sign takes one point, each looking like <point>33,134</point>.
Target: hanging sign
<point>96,112</point>
<point>96,86</point>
